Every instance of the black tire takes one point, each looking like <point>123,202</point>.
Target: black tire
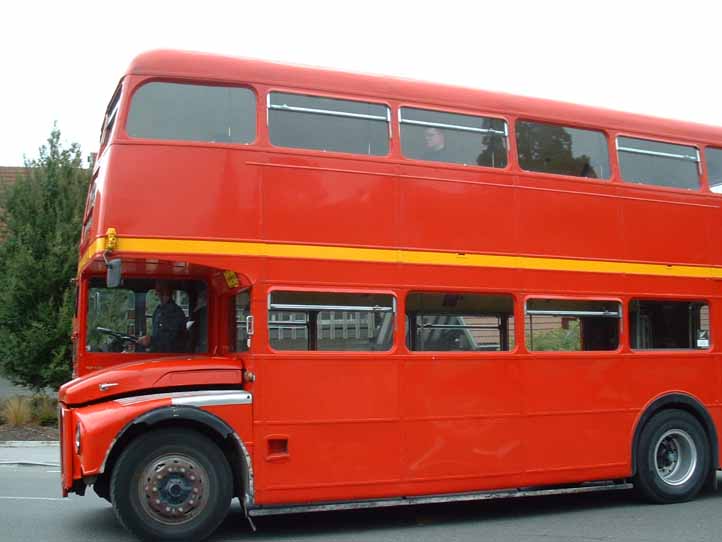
<point>171,484</point>
<point>673,458</point>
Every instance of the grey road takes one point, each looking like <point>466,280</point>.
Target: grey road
<point>31,510</point>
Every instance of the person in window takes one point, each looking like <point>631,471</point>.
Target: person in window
<point>434,145</point>
<point>169,323</point>
<point>198,324</point>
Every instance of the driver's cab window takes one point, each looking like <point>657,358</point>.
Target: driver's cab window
<point>148,315</point>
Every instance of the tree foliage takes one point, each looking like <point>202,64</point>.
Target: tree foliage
<point>41,220</point>
<point>558,339</point>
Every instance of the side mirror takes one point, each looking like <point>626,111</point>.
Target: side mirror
<point>112,273</point>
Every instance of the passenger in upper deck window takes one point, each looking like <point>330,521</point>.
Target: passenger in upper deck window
<point>435,145</point>
<point>169,323</point>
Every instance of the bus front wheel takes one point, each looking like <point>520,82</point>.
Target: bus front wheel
<point>673,458</point>
<point>171,484</point>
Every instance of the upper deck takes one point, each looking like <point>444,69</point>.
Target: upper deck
<point>271,198</point>
<point>180,65</point>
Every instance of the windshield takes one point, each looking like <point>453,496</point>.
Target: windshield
<point>147,315</point>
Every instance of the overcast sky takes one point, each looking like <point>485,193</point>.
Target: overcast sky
<point>60,61</point>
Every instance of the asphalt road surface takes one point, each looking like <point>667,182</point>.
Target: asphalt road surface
<point>31,510</point>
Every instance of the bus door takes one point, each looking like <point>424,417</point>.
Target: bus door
<point>460,394</point>
<point>326,403</point>
<point>576,390</point>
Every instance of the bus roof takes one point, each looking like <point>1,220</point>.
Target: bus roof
<point>213,67</point>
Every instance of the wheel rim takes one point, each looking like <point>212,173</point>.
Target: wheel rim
<point>173,489</point>
<point>675,457</point>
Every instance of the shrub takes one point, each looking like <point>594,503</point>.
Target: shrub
<point>45,410</point>
<point>17,411</point>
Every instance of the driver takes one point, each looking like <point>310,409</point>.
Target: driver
<point>169,323</point>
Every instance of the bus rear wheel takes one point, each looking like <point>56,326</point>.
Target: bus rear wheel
<point>673,458</point>
<point>172,484</point>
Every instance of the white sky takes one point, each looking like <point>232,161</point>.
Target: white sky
<point>60,61</point>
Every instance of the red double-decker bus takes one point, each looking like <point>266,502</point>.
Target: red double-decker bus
<point>312,290</point>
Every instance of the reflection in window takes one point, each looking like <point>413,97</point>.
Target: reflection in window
<point>662,164</point>
<point>548,148</point>
<point>669,324</point>
<point>326,124</point>
<point>714,169</point>
<point>459,322</point>
<point>110,310</point>
<point>571,325</point>
<point>453,138</point>
<point>330,321</point>
<point>193,113</point>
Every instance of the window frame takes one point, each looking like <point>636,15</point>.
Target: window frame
<point>623,327</point>
<point>396,326</point>
<point>512,335</point>
<point>706,181</point>
<point>190,142</point>
<point>100,356</point>
<point>111,117</point>
<point>670,351</point>
<point>331,96</point>
<point>701,162</point>
<point>510,147</point>
<point>612,161</point>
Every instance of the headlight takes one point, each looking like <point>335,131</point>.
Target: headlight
<point>78,434</point>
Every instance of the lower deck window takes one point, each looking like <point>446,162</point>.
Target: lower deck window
<point>330,321</point>
<point>572,325</point>
<point>459,322</point>
<point>669,324</point>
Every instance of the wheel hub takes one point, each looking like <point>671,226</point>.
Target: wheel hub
<point>173,489</point>
<point>676,457</point>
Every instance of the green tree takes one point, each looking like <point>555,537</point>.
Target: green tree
<point>41,219</point>
<point>558,339</point>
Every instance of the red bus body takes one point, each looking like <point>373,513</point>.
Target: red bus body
<point>359,426</point>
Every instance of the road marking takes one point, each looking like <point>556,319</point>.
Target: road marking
<point>4,498</point>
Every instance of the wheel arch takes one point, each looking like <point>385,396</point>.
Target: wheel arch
<point>192,418</point>
<point>681,401</point>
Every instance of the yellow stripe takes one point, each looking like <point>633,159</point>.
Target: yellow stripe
<point>378,255</point>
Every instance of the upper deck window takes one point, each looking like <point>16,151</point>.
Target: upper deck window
<point>549,148</point>
<point>111,114</point>
<point>714,169</point>
<point>453,138</point>
<point>328,124</point>
<point>193,113</point>
<point>662,164</point>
